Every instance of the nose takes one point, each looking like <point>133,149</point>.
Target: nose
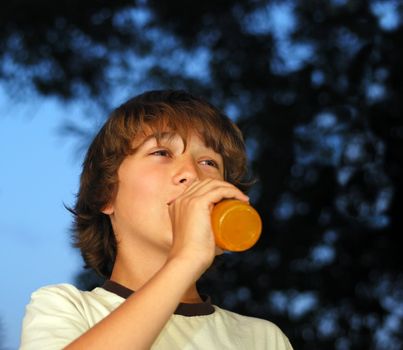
<point>187,173</point>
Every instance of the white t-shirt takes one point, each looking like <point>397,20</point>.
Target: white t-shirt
<point>59,314</point>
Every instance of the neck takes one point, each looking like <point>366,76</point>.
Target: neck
<point>126,272</point>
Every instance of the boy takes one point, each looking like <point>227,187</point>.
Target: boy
<point>142,220</point>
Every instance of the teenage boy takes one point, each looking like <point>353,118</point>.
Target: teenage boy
<point>142,219</point>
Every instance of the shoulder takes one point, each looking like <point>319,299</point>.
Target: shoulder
<point>67,302</point>
<point>60,292</point>
<point>54,300</point>
<point>57,295</point>
<point>68,296</point>
<point>249,321</point>
<point>257,328</point>
<point>53,317</point>
<point>63,289</point>
<point>57,314</point>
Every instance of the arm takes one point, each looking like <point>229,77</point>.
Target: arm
<point>116,331</point>
<point>57,315</point>
<point>192,252</point>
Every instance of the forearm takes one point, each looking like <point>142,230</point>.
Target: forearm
<point>140,319</point>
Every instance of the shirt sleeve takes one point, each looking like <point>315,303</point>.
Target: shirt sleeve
<point>53,318</point>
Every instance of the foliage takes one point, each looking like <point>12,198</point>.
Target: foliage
<point>316,87</point>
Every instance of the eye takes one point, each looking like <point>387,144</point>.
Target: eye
<point>210,162</point>
<point>161,153</point>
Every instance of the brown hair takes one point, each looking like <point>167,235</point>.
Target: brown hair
<point>151,112</point>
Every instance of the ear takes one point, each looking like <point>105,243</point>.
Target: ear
<point>108,209</point>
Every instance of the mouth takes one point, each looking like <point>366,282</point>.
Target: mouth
<point>174,198</point>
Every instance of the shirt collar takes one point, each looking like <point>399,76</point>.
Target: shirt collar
<point>184,309</point>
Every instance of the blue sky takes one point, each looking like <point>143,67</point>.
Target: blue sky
<point>39,173</point>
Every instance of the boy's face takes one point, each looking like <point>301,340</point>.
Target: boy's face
<point>153,177</point>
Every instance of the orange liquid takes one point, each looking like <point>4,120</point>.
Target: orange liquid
<point>236,225</point>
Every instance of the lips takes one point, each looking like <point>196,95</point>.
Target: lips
<point>172,200</point>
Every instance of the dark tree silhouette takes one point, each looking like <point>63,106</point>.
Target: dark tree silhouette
<point>316,87</point>
<point>65,47</point>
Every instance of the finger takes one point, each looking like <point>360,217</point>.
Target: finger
<point>207,185</point>
<point>219,193</point>
<point>195,186</point>
<point>230,191</point>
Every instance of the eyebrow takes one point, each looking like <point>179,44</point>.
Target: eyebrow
<point>168,136</point>
<point>158,136</point>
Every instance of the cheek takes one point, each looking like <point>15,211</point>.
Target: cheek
<point>145,188</point>
<point>212,174</point>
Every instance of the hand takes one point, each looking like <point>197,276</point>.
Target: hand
<point>190,213</point>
